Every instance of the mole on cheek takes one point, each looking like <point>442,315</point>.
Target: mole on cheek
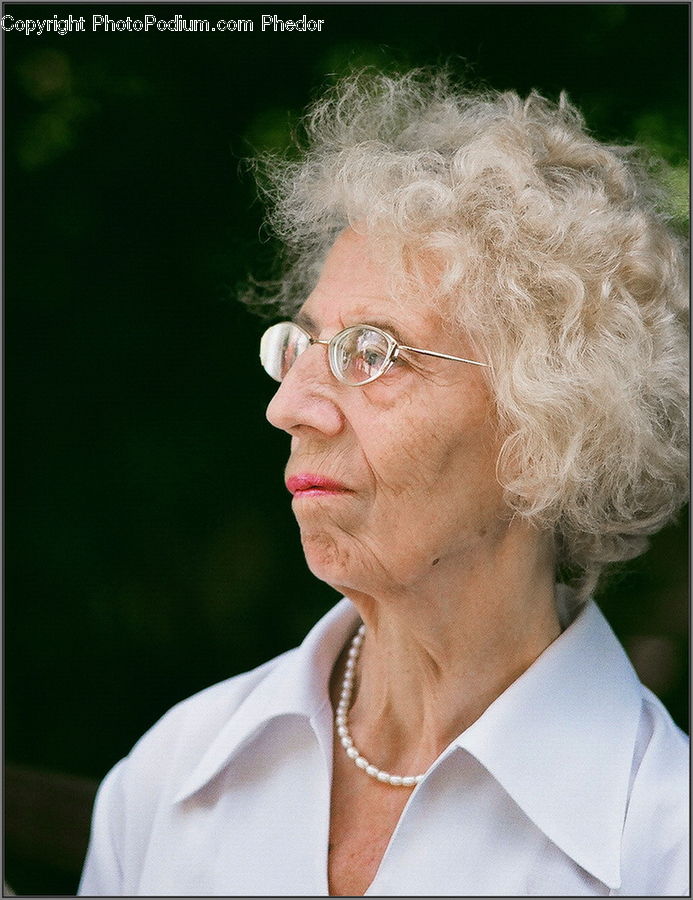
<point>436,561</point>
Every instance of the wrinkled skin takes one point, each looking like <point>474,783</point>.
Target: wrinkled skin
<point>417,448</point>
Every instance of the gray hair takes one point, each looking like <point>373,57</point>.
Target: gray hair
<point>555,255</point>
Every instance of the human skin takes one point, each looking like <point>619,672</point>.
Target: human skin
<point>457,595</point>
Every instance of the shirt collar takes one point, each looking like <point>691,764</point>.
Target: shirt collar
<point>297,683</point>
<point>559,740</point>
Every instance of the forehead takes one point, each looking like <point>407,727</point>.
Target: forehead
<point>355,287</point>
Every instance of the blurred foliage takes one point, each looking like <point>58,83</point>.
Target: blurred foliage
<point>150,546</point>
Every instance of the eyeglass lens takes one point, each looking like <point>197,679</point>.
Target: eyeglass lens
<point>280,347</point>
<point>357,355</point>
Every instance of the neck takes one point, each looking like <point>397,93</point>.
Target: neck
<point>437,655</point>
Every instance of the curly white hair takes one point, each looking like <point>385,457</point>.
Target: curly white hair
<point>552,252</point>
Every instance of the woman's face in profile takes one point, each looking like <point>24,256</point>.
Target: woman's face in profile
<point>391,478</point>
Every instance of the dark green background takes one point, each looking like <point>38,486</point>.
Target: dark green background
<point>150,547</point>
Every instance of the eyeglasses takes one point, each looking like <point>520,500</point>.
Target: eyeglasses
<point>358,354</point>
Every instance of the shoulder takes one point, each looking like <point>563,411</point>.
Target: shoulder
<point>189,727</point>
<point>660,780</point>
<point>144,784</point>
<point>163,758</point>
<point>656,832</point>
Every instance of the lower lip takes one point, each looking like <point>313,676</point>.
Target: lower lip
<point>318,492</point>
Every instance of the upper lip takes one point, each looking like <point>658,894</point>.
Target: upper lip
<point>306,481</point>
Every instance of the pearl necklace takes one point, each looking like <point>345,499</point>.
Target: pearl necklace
<point>343,731</point>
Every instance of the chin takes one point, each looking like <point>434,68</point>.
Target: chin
<point>327,558</point>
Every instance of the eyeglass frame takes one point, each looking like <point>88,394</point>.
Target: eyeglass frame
<point>394,349</point>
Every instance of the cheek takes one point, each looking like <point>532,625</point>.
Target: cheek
<point>450,453</point>
<point>413,443</point>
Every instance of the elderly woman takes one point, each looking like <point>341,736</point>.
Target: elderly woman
<point>484,380</point>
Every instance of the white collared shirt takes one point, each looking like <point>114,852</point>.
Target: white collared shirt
<point>573,782</point>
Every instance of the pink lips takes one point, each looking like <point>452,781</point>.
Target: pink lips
<point>309,485</point>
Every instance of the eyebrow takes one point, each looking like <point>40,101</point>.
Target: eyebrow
<point>384,325</point>
<point>305,321</point>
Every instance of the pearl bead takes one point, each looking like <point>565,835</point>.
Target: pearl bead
<point>343,730</point>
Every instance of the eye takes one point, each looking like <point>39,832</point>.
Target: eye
<point>361,354</point>
<point>371,353</point>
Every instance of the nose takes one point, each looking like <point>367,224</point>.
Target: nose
<point>305,398</point>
